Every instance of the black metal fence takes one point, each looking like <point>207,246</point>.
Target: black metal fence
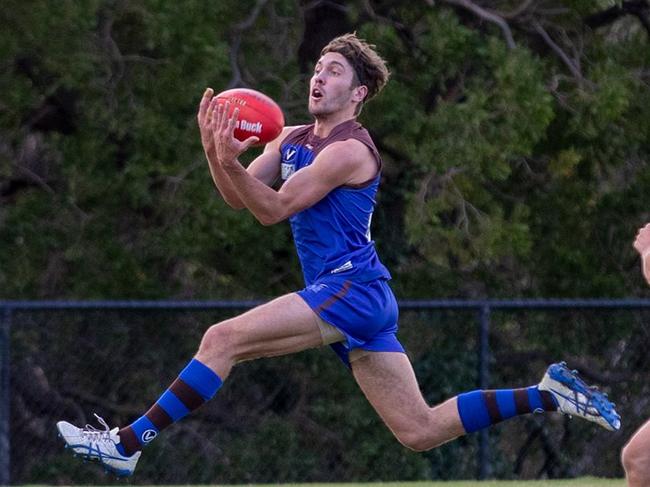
<point>301,418</point>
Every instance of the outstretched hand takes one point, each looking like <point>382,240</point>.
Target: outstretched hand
<point>227,147</point>
<point>204,118</point>
<point>642,246</point>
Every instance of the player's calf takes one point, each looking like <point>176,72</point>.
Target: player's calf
<point>429,428</point>
<point>416,438</point>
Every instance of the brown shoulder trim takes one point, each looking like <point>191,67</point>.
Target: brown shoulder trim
<point>363,185</point>
<point>297,134</point>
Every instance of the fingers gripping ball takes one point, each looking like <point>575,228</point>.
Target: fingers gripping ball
<point>259,115</point>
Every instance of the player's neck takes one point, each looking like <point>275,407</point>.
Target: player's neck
<point>323,125</point>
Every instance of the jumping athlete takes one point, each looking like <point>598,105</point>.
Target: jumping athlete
<point>636,454</point>
<point>328,173</point>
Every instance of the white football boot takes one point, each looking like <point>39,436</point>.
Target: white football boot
<point>98,445</point>
<point>575,398</point>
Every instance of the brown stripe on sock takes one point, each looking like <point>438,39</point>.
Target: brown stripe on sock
<point>186,394</point>
<point>159,417</point>
<point>521,401</point>
<point>547,401</point>
<point>490,398</point>
<point>129,441</point>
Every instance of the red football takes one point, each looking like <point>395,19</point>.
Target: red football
<point>259,115</point>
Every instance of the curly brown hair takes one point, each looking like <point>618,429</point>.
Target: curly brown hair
<point>369,67</point>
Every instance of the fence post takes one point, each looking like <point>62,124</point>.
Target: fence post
<point>5,409</point>
<point>483,379</point>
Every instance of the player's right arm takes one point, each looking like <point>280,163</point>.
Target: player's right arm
<point>642,246</point>
<point>266,167</point>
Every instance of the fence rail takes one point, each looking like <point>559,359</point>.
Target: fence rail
<point>483,308</point>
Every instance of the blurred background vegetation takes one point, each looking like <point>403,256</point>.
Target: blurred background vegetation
<point>302,418</point>
<point>515,135</point>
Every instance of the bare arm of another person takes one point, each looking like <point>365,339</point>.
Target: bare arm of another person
<point>642,246</point>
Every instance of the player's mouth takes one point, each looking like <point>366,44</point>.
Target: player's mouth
<point>316,94</point>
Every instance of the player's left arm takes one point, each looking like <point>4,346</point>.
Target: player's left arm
<point>642,246</point>
<point>341,163</point>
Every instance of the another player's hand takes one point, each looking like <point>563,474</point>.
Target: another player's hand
<point>227,147</point>
<point>642,246</point>
<point>204,118</point>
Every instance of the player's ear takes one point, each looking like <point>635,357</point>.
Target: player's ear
<point>360,93</point>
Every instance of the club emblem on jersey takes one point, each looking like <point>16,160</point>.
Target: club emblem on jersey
<point>288,167</point>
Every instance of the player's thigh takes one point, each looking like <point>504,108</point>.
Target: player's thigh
<point>388,381</point>
<point>284,325</point>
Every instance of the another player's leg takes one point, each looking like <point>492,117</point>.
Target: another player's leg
<point>388,381</point>
<point>284,325</point>
<point>636,459</point>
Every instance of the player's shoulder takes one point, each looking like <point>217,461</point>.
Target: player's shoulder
<point>350,159</point>
<point>276,143</point>
<point>348,151</point>
<point>286,131</point>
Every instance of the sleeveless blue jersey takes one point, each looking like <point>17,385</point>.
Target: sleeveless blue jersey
<point>333,236</point>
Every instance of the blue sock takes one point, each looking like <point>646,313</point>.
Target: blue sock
<point>480,409</point>
<point>196,384</point>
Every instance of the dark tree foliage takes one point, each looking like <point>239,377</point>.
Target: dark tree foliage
<point>515,136</point>
<point>516,142</point>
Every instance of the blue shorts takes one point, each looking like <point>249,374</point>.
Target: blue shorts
<point>365,312</point>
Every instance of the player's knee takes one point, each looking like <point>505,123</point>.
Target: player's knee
<point>414,439</point>
<point>636,463</point>
<point>218,339</point>
<point>628,457</point>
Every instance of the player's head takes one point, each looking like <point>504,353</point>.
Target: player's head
<point>348,72</point>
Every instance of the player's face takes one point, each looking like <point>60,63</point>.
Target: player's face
<point>333,87</point>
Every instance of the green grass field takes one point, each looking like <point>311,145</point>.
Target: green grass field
<point>583,482</point>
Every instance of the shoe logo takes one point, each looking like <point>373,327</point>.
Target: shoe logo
<point>582,407</point>
<point>148,435</point>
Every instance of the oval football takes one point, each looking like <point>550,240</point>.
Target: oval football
<point>259,115</point>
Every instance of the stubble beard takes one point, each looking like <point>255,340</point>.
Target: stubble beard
<point>327,110</point>
<point>320,113</point>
